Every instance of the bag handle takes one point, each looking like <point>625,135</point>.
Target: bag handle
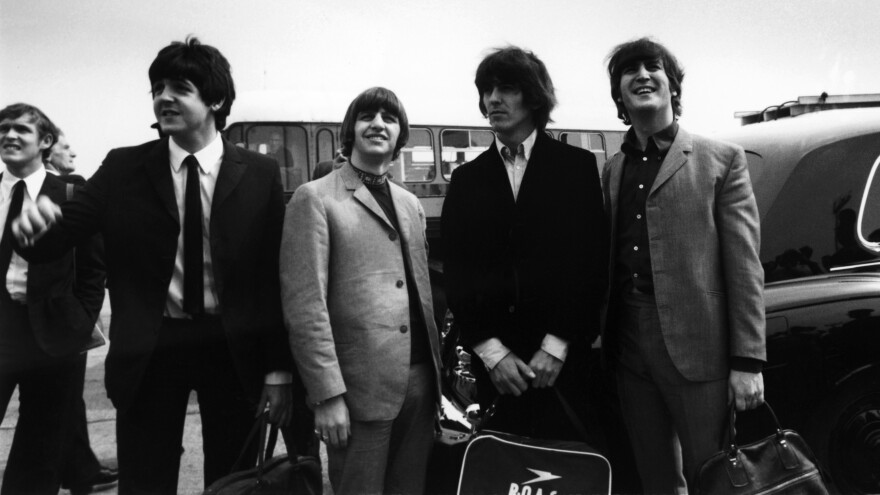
<point>566,407</point>
<point>786,455</point>
<point>265,449</point>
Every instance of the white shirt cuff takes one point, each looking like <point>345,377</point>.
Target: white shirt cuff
<point>279,378</point>
<point>491,351</point>
<point>555,346</point>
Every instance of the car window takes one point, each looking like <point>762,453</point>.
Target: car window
<point>869,211</point>
<point>811,226</point>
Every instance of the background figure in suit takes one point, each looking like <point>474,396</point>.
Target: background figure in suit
<point>685,323</point>
<point>82,470</point>
<point>357,304</point>
<point>525,253</point>
<point>191,227</point>
<point>47,311</point>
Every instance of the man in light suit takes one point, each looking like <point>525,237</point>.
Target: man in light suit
<point>191,227</point>
<point>525,254</point>
<point>685,323</point>
<point>47,311</point>
<point>357,304</point>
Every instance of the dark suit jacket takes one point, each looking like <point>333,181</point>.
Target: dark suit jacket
<point>517,270</point>
<point>130,200</point>
<point>704,239</point>
<point>64,295</point>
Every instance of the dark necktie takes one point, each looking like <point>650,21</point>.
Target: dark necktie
<point>6,242</point>
<point>193,259</point>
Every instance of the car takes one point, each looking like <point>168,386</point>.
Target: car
<point>817,185</point>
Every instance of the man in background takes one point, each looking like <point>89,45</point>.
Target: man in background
<point>47,313</point>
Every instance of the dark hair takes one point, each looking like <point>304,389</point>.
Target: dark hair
<point>45,127</point>
<point>372,100</point>
<point>642,50</point>
<point>523,69</point>
<point>202,65</point>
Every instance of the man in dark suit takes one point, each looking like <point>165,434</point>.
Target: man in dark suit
<point>685,323</point>
<point>47,311</point>
<point>525,253</point>
<point>191,227</point>
<point>82,472</point>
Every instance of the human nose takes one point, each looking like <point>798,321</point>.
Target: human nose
<point>641,72</point>
<point>378,122</point>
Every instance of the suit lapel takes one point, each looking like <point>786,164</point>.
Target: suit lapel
<point>675,158</point>
<point>158,169</point>
<point>404,215</point>
<point>232,169</point>
<point>615,173</point>
<point>362,194</point>
<point>497,180</point>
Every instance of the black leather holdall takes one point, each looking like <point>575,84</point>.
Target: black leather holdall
<point>779,463</point>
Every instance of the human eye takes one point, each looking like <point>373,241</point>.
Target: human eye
<point>365,115</point>
<point>654,66</point>
<point>389,118</point>
<point>157,88</point>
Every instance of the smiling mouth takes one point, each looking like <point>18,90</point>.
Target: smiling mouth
<point>169,113</point>
<point>644,90</point>
<point>377,137</point>
<point>11,147</point>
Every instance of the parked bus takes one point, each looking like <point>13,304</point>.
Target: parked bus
<point>425,165</point>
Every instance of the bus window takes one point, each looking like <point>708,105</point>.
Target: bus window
<point>325,144</point>
<point>233,135</point>
<point>285,143</point>
<point>461,146</point>
<point>591,141</point>
<point>416,160</point>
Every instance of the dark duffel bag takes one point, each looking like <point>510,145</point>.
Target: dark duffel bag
<point>496,462</point>
<point>781,463</point>
<point>284,474</point>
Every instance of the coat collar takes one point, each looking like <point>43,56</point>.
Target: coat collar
<point>158,167</point>
<point>675,158</point>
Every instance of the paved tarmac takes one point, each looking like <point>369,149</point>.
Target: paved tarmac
<point>101,417</point>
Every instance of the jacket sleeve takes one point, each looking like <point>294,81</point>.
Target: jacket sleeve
<point>461,273</point>
<point>274,338</point>
<point>740,237</point>
<point>304,272</point>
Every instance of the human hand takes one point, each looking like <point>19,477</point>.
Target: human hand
<point>509,375</point>
<point>747,389</point>
<point>279,400</point>
<point>546,368</point>
<point>332,424</point>
<point>35,220</point>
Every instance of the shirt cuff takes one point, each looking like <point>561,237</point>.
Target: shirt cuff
<point>555,346</point>
<point>491,351</point>
<point>747,365</point>
<point>278,378</point>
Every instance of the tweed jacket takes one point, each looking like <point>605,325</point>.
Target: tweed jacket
<point>345,302</point>
<point>704,239</point>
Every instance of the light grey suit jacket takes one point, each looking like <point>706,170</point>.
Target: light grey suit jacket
<point>704,237</point>
<point>344,294</point>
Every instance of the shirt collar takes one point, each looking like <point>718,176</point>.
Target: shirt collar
<point>662,139</point>
<point>33,183</point>
<point>208,157</point>
<point>527,145</point>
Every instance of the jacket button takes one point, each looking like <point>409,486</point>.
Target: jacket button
<point>392,236</point>
<point>403,329</point>
<point>512,308</point>
<point>399,284</point>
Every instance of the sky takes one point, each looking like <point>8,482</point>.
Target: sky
<point>84,62</point>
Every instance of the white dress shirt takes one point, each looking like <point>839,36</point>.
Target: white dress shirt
<point>210,157</point>
<point>16,277</point>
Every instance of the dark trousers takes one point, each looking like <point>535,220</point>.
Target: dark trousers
<point>46,388</point>
<point>81,464</point>
<point>189,356</point>
<point>673,423</point>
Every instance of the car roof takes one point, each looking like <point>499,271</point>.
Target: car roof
<point>820,289</point>
<point>791,138</point>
